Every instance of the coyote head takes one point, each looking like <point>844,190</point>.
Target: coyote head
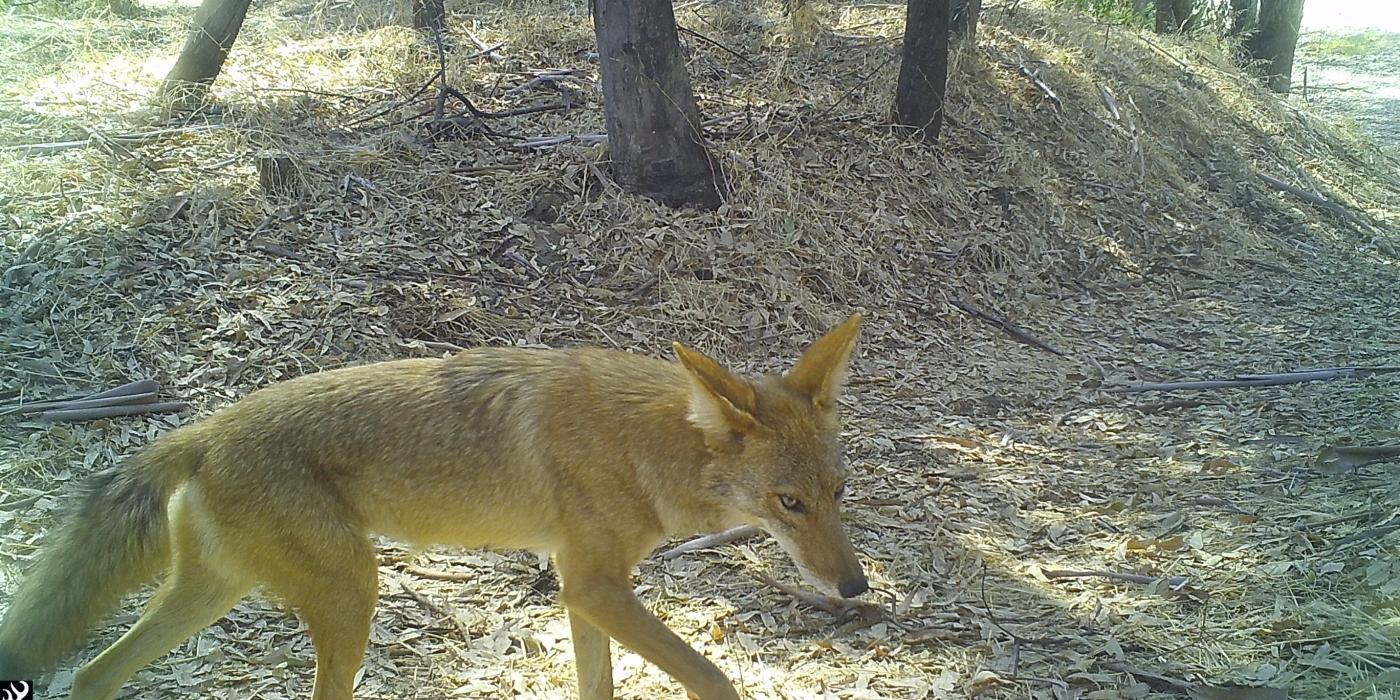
<point>776,452</point>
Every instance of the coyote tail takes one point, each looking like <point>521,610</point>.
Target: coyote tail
<point>112,538</point>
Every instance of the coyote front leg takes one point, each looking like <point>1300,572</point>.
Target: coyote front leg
<point>597,589</point>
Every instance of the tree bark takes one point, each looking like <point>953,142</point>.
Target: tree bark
<point>965,15</point>
<point>1275,39</point>
<point>1243,15</point>
<point>923,69</point>
<point>216,26</point>
<point>654,136</point>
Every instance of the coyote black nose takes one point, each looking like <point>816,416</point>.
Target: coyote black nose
<point>853,587</point>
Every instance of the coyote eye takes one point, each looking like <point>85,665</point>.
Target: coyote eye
<point>792,504</point>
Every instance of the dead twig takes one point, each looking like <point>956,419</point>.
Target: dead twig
<point>434,609</point>
<point>1176,583</point>
<point>552,76</point>
<point>716,44</point>
<point>1034,77</point>
<point>482,169</point>
<point>421,572</point>
<point>280,251</point>
<point>859,84</point>
<point>490,53</point>
<point>547,141</point>
<point>1006,326</point>
<point>1218,502</point>
<point>1249,381</point>
<point>1157,681</point>
<point>863,613</point>
<point>1163,406</point>
<point>737,534</point>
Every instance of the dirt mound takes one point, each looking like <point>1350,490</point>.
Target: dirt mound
<point>1119,213</point>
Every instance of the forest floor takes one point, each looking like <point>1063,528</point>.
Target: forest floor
<point>1032,530</point>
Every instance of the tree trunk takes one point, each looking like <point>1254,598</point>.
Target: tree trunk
<point>1275,39</point>
<point>216,25</point>
<point>1174,16</point>
<point>428,16</point>
<point>1243,15</point>
<point>923,69</point>
<point>964,22</point>
<point>654,135</point>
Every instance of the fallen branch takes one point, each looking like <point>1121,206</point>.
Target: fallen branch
<point>1369,533</point>
<point>736,534</point>
<point>1311,197</point>
<point>1249,381</point>
<point>143,386</point>
<point>134,139</point>
<point>142,398</point>
<point>1342,459</point>
<point>1006,326</point>
<point>78,414</point>
<point>130,388</point>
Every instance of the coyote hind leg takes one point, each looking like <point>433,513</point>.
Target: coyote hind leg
<point>334,586</point>
<point>593,659</point>
<point>195,594</point>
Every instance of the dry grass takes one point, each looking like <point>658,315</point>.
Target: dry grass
<point>1143,244</point>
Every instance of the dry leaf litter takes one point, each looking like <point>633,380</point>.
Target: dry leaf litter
<point>1127,227</point>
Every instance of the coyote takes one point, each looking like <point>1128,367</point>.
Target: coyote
<point>593,455</point>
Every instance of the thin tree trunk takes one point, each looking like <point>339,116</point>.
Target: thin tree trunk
<point>428,16</point>
<point>1163,14</point>
<point>1185,15</point>
<point>965,15</point>
<point>1243,15</point>
<point>216,26</point>
<point>654,136</point>
<point>923,69</point>
<point>1173,16</point>
<point>1275,39</point>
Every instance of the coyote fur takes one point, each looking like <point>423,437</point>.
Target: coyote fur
<point>593,455</point>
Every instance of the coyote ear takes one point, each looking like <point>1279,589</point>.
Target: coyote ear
<point>721,404</point>
<point>821,371</point>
